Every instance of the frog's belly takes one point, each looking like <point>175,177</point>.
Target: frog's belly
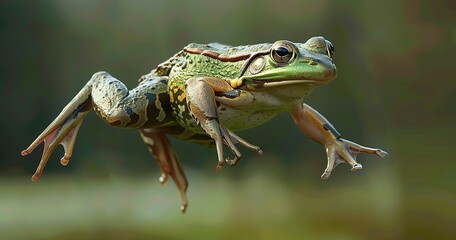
<point>231,118</point>
<point>236,120</point>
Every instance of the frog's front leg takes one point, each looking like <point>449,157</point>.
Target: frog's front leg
<point>111,100</point>
<point>338,150</point>
<point>201,92</point>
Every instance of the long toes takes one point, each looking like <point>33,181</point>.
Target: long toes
<point>219,167</point>
<point>25,152</point>
<point>381,153</point>
<point>64,160</point>
<point>259,151</point>
<point>35,177</point>
<point>357,167</point>
<point>232,162</point>
<point>184,207</point>
<point>326,175</point>
<point>163,178</point>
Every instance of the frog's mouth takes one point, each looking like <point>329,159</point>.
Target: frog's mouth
<point>286,82</point>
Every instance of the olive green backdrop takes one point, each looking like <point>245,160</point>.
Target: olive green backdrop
<point>395,90</point>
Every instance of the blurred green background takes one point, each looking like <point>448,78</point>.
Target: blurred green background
<point>395,90</point>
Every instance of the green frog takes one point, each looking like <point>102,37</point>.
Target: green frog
<point>205,93</point>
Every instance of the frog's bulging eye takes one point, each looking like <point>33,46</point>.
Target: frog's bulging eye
<point>281,51</point>
<point>329,48</point>
<point>282,54</point>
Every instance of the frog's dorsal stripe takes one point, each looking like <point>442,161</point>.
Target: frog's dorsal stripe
<point>218,56</point>
<point>240,56</point>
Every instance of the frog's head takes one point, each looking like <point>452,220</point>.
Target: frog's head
<point>287,65</point>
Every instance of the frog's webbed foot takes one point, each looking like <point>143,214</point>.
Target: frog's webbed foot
<point>338,150</point>
<point>62,130</point>
<point>202,105</point>
<point>344,151</point>
<point>160,147</point>
<point>110,98</point>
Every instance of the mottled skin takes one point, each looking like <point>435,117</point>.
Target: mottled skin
<point>203,94</point>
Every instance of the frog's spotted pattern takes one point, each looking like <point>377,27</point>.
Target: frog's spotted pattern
<point>204,93</point>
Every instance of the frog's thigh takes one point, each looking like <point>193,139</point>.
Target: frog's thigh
<point>118,106</point>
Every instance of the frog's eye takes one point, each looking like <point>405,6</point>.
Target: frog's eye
<point>282,53</point>
<point>329,48</point>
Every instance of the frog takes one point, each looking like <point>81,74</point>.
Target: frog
<point>204,94</point>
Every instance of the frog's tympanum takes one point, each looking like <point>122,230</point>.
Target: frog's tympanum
<point>205,93</point>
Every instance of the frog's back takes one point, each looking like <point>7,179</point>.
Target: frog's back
<point>211,54</point>
<point>226,52</point>
<point>213,59</point>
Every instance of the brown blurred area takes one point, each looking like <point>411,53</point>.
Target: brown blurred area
<point>395,90</point>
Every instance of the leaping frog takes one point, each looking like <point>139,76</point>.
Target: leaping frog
<point>205,93</point>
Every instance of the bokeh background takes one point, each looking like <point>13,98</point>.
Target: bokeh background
<point>395,90</point>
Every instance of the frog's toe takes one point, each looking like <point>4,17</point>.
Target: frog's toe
<point>219,167</point>
<point>236,139</point>
<point>259,151</point>
<point>65,160</point>
<point>338,152</point>
<point>356,148</point>
<point>163,178</point>
<point>184,207</point>
<point>234,161</point>
<point>381,153</point>
<point>326,174</point>
<point>344,151</point>
<point>357,167</point>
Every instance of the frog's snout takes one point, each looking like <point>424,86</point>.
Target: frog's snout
<point>328,70</point>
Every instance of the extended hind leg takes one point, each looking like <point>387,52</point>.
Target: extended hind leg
<point>160,147</point>
<point>111,100</point>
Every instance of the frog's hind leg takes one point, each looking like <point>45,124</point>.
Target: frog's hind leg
<point>112,101</point>
<point>160,147</point>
